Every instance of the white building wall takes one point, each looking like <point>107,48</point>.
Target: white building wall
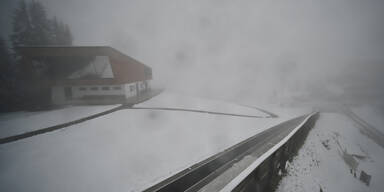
<point>129,90</point>
<point>149,82</point>
<point>141,85</point>
<point>81,91</point>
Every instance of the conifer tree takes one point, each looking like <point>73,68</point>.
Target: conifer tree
<point>32,27</point>
<point>21,34</point>
<point>7,78</point>
<point>41,30</point>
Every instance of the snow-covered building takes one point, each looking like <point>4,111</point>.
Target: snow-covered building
<point>82,75</point>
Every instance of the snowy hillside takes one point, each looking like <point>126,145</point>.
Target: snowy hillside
<point>127,150</point>
<point>334,157</point>
<point>374,115</point>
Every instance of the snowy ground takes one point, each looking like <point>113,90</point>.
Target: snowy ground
<point>175,100</point>
<point>334,152</point>
<point>374,115</point>
<point>20,122</point>
<point>128,150</point>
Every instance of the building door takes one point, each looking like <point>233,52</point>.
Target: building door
<point>68,92</point>
<point>146,85</point>
<point>137,89</point>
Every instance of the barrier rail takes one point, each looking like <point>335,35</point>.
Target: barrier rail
<point>229,171</point>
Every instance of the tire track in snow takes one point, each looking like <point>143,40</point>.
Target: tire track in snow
<point>55,127</point>
<point>198,111</point>
<point>124,106</point>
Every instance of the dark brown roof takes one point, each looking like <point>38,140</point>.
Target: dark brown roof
<point>125,68</point>
<point>41,51</point>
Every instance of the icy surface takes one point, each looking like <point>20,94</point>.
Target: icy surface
<point>128,150</point>
<point>329,159</point>
<point>20,122</point>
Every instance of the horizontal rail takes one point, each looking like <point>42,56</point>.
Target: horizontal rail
<point>198,175</point>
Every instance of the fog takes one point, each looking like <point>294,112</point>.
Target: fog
<point>234,50</point>
<point>256,52</point>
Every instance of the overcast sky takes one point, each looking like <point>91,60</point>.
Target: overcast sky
<point>227,49</point>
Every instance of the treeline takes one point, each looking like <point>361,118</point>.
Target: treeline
<point>30,27</point>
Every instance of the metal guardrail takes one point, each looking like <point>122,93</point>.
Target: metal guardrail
<point>269,170</point>
<point>197,176</point>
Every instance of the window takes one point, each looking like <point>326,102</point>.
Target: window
<point>117,88</point>
<point>132,88</point>
<point>82,88</point>
<point>94,88</point>
<point>105,88</point>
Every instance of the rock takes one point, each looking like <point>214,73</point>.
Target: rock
<point>365,178</point>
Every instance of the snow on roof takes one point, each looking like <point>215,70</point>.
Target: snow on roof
<point>99,67</point>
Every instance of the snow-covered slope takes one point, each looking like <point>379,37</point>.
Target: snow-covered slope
<point>334,152</point>
<point>374,115</point>
<point>20,122</point>
<point>127,150</point>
